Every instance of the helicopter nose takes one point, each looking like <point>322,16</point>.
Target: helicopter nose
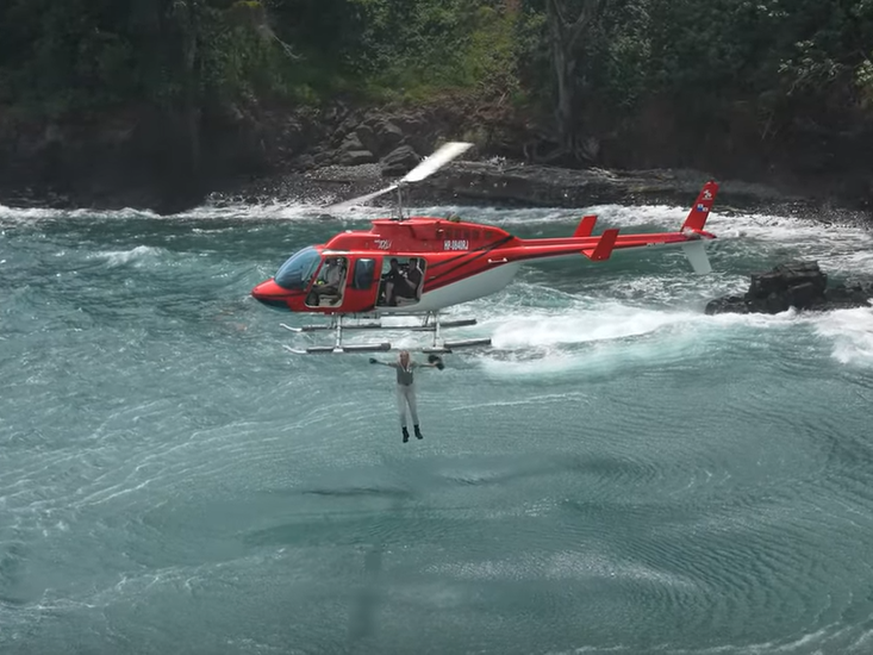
<point>270,294</point>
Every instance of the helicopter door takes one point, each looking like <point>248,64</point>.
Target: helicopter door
<point>363,283</point>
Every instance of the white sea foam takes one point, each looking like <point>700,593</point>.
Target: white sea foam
<point>137,256</point>
<point>279,210</point>
<point>851,332</point>
<point>605,322</point>
<point>30,214</point>
<point>290,210</point>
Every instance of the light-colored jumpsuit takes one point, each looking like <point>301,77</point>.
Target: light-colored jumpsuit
<point>406,392</point>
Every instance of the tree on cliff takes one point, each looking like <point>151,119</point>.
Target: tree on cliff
<point>569,22</point>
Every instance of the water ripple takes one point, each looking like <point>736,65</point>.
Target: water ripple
<point>171,478</point>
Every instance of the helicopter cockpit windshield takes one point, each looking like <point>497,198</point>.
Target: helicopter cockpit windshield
<point>296,272</point>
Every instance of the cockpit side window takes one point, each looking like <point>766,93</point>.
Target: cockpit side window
<point>295,273</point>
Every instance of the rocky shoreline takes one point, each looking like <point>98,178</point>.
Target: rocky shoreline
<point>499,182</point>
<point>328,157</point>
<point>507,184</point>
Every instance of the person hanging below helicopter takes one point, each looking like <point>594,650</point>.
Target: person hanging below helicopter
<point>406,387</point>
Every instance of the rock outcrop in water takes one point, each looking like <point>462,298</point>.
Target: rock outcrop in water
<point>801,285</point>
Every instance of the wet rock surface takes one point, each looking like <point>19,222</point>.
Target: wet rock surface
<point>800,285</point>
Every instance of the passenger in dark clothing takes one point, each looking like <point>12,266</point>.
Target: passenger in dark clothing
<point>398,285</point>
<point>413,280</point>
<point>392,279</point>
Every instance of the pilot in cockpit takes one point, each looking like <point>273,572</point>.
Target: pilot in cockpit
<point>329,280</point>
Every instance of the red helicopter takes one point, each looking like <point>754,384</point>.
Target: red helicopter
<point>418,266</point>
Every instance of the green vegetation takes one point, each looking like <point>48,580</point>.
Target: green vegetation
<point>583,67</point>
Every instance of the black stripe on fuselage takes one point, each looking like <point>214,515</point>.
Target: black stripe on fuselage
<point>471,255</point>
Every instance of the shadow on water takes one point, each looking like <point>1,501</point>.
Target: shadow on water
<point>359,491</point>
<point>13,587</point>
<point>345,501</point>
<point>345,522</point>
<point>365,602</point>
<point>432,474</point>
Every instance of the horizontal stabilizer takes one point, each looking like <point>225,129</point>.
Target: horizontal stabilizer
<point>604,246</point>
<point>586,227</point>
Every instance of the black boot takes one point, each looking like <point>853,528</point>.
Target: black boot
<point>405,434</point>
<point>418,432</point>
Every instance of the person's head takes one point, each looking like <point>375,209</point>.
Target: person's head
<point>394,264</point>
<point>403,357</point>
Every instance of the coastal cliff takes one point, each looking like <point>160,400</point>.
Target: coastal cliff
<point>133,159</point>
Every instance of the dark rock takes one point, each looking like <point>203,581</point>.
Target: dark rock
<point>304,162</point>
<point>356,157</point>
<point>727,305</point>
<point>399,161</point>
<point>803,295</point>
<point>376,134</point>
<point>801,285</point>
<point>367,137</point>
<point>352,143</point>
<point>785,276</point>
<point>322,157</point>
<point>388,137</point>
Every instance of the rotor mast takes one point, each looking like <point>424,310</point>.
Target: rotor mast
<point>400,217</point>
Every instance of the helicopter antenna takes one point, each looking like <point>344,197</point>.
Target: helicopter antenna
<point>426,168</point>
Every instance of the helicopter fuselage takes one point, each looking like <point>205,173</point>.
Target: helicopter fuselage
<point>424,264</point>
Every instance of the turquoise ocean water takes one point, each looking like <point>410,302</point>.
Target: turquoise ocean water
<point>620,473</point>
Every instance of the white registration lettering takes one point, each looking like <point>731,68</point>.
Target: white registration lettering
<point>460,244</point>
<point>383,244</point>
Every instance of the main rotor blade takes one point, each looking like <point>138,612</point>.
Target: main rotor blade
<point>437,160</point>
<point>345,204</point>
<point>446,153</point>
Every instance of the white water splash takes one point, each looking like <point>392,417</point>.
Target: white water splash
<point>607,321</point>
<point>851,332</point>
<point>291,210</point>
<point>137,256</point>
<point>31,214</point>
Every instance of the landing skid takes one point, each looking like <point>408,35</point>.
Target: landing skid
<point>431,323</point>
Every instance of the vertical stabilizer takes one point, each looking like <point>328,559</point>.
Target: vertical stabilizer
<point>696,219</point>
